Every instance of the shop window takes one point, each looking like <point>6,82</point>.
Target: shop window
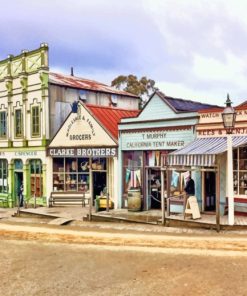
<point>35,125</point>
<point>99,164</point>
<point>18,123</point>
<point>71,174</point>
<point>153,158</point>
<point>36,178</point>
<point>240,171</point>
<point>132,170</point>
<point>3,124</point>
<point>3,176</point>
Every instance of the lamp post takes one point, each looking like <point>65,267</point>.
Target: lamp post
<point>229,117</point>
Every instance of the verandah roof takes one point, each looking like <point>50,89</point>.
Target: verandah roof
<point>203,151</point>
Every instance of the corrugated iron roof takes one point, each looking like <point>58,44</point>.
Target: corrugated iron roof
<point>85,84</point>
<point>110,117</point>
<point>181,105</point>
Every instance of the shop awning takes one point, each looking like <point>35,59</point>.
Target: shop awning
<point>203,151</point>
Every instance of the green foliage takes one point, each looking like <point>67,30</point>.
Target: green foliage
<point>142,87</point>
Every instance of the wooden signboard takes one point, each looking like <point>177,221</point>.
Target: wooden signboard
<point>192,208</point>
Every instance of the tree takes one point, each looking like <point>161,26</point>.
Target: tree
<point>143,87</point>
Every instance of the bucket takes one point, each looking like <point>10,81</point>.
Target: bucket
<point>134,200</point>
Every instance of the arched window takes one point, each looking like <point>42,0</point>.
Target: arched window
<point>36,177</point>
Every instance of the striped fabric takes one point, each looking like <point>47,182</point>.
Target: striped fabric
<point>203,151</point>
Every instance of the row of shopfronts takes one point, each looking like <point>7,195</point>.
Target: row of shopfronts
<point>152,151</point>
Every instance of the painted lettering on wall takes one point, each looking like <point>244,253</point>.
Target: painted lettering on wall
<point>82,152</point>
<point>80,137</point>
<point>156,144</point>
<point>26,153</point>
<point>219,132</point>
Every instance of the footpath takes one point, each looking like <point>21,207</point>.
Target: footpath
<point>122,235</point>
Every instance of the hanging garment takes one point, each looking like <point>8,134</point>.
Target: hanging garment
<point>157,158</point>
<point>127,176</point>
<point>151,158</point>
<point>138,176</point>
<point>175,179</point>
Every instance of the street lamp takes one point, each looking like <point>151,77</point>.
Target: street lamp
<point>229,117</point>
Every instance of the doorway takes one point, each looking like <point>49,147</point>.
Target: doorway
<point>18,182</point>
<point>154,188</point>
<point>99,183</point>
<point>210,191</point>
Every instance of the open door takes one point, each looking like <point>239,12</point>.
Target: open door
<point>210,191</point>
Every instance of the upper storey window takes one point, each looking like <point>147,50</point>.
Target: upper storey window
<point>35,121</point>
<point>18,123</point>
<point>3,124</point>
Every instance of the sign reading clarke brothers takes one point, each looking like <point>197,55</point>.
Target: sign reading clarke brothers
<point>82,135</point>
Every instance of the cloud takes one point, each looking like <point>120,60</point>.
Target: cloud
<point>198,47</point>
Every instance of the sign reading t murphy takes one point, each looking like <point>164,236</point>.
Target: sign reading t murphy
<point>82,135</point>
<point>156,140</point>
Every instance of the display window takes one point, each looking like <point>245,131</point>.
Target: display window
<point>240,171</point>
<point>73,174</point>
<point>132,170</point>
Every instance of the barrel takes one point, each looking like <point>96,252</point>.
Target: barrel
<point>134,200</point>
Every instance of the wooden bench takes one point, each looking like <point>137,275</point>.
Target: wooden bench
<point>67,198</point>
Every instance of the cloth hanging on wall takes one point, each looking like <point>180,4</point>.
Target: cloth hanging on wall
<point>138,176</point>
<point>157,158</point>
<point>151,158</point>
<point>127,176</point>
<point>175,178</point>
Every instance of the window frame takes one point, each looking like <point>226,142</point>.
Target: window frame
<point>3,175</point>
<point>36,124</point>
<point>20,126</point>
<point>3,132</point>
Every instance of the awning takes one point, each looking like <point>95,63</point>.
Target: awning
<point>203,151</point>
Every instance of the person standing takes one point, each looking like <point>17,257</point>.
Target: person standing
<point>21,189</point>
<point>190,186</point>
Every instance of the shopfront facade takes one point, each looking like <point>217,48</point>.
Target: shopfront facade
<point>210,126</point>
<point>146,140</point>
<point>207,155</point>
<point>84,153</point>
<point>27,167</point>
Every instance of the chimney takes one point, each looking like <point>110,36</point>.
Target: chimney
<point>72,71</point>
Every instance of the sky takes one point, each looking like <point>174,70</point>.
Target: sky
<point>193,49</point>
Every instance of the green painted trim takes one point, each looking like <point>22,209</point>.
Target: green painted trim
<point>13,149</point>
<point>44,175</point>
<point>44,78</point>
<point>10,144</point>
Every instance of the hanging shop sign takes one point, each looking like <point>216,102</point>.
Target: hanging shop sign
<point>82,152</point>
<point>156,140</point>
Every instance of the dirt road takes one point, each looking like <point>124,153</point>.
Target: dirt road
<point>61,261</point>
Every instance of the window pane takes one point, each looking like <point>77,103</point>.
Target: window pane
<point>18,123</point>
<point>58,165</point>
<point>3,124</point>
<point>35,121</point>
